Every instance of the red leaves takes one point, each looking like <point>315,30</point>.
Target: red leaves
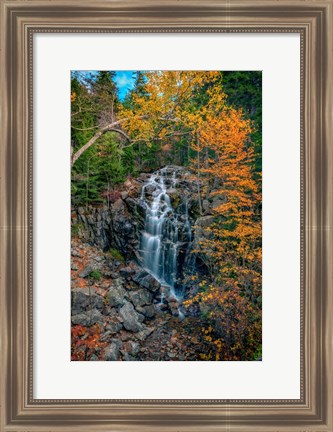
<point>86,342</point>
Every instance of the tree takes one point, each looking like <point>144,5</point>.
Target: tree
<point>161,115</point>
<point>232,299</point>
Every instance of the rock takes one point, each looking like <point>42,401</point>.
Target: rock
<point>165,290</point>
<point>88,319</point>
<point>205,221</point>
<point>111,353</point>
<point>131,317</point>
<point>113,327</point>
<point>118,206</point>
<point>74,266</point>
<point>217,202</point>
<point>141,297</point>
<point>85,298</point>
<point>202,226</point>
<point>148,311</point>
<point>93,358</point>
<point>172,299</point>
<point>124,195</point>
<point>116,295</point>
<point>98,259</point>
<point>206,205</point>
<point>143,334</point>
<point>146,280</point>
<point>125,336</point>
<point>132,347</point>
<point>87,270</point>
<point>126,271</point>
<point>75,253</point>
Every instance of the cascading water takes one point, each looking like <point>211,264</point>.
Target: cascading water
<point>167,235</point>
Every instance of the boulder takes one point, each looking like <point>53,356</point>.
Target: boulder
<point>113,327</point>
<point>144,333</point>
<point>146,280</point>
<point>131,318</point>
<point>148,311</point>
<point>126,271</point>
<point>132,347</point>
<point>116,295</point>
<point>141,297</point>
<point>204,221</point>
<point>88,319</point>
<point>85,298</point>
<point>87,270</point>
<point>111,353</point>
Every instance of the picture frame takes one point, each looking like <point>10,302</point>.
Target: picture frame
<point>20,21</point>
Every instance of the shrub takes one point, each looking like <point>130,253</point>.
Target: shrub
<point>96,275</point>
<point>115,254</point>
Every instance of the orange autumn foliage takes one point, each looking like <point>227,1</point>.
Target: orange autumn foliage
<point>232,244</point>
<point>86,342</point>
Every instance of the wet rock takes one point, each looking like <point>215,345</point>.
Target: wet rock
<point>146,280</point>
<point>131,317</point>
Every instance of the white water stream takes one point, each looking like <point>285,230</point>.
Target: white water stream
<point>167,230</point>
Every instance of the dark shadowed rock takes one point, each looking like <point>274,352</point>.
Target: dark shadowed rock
<point>148,311</point>
<point>146,280</point>
<point>126,271</point>
<point>84,299</point>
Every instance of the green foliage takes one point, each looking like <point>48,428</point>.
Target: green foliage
<point>76,229</point>
<point>115,254</point>
<point>95,274</point>
<point>244,90</point>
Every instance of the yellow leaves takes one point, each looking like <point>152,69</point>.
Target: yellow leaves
<point>73,97</point>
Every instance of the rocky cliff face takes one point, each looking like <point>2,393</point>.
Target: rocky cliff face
<point>120,224</point>
<point>115,284</point>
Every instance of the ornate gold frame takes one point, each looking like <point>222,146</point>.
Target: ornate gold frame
<point>313,20</point>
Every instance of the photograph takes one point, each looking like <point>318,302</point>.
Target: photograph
<point>166,216</point>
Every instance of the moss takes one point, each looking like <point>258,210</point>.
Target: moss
<point>96,275</point>
<point>76,229</point>
<point>115,254</point>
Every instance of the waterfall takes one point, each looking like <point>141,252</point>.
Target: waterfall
<point>167,232</point>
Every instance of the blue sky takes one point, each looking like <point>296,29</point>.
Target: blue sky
<point>124,80</point>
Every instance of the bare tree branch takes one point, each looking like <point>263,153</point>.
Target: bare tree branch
<point>110,127</point>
